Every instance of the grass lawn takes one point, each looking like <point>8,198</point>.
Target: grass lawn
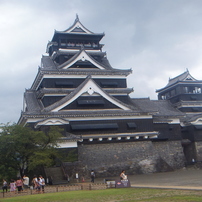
<point>113,195</point>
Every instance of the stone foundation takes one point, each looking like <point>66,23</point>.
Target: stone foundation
<point>134,157</point>
<point>198,151</point>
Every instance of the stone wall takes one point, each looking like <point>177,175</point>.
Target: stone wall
<point>134,157</point>
<point>198,147</point>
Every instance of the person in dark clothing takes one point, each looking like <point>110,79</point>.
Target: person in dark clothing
<point>5,186</point>
<point>92,175</point>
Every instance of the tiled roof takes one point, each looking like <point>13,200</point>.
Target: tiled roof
<point>180,77</point>
<point>191,117</point>
<point>78,72</point>
<point>68,97</point>
<point>74,24</point>
<point>165,108</point>
<point>58,91</point>
<point>184,77</point>
<point>87,72</point>
<point>51,91</point>
<point>77,28</point>
<point>32,102</point>
<point>86,113</point>
<point>47,63</point>
<point>144,104</point>
<point>73,52</point>
<point>35,108</point>
<point>157,107</point>
<point>77,54</point>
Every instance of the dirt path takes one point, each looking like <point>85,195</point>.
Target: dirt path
<point>185,178</point>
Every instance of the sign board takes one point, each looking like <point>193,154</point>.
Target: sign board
<point>122,183</point>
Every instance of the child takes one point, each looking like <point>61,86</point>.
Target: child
<point>12,186</point>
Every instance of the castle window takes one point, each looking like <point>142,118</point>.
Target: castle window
<point>163,97</point>
<point>197,90</point>
<point>190,89</point>
<point>102,126</point>
<point>178,90</point>
<point>87,44</point>
<point>173,92</point>
<point>63,42</point>
<point>170,127</point>
<point>131,125</point>
<point>95,45</point>
<point>195,109</point>
<point>167,95</point>
<point>198,127</point>
<point>185,89</point>
<point>109,84</point>
<point>193,97</point>
<point>63,84</point>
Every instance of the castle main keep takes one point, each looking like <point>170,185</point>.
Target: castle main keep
<point>78,90</point>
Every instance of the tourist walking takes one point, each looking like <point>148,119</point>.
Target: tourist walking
<point>92,175</point>
<point>26,181</point>
<point>41,182</point>
<point>19,184</point>
<point>36,184</point>
<point>5,186</point>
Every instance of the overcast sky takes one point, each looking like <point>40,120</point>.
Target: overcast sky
<point>158,39</point>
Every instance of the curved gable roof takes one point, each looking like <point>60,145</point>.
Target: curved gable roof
<point>186,76</point>
<point>90,87</point>
<point>84,56</point>
<point>78,27</point>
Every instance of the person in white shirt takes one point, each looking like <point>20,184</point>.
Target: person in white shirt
<point>123,176</point>
<point>41,182</point>
<point>26,181</point>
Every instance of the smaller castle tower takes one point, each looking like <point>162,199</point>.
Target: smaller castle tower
<point>184,92</point>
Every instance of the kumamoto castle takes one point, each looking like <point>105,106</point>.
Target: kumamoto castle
<point>78,90</point>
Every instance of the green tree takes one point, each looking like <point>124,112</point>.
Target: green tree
<point>22,148</point>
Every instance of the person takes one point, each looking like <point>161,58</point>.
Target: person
<point>5,186</point>
<point>77,177</point>
<point>26,182</point>
<point>41,182</point>
<point>36,184</point>
<point>92,175</point>
<point>12,186</point>
<point>19,184</point>
<point>50,180</point>
<point>68,179</point>
<point>34,181</point>
<point>123,176</point>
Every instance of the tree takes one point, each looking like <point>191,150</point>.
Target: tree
<point>22,148</point>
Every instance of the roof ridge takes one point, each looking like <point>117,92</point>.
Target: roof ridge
<point>187,72</point>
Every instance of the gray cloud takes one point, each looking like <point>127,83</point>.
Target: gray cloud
<point>158,39</point>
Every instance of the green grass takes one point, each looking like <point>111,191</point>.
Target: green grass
<point>113,195</point>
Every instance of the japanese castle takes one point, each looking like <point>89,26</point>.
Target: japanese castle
<point>78,90</point>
